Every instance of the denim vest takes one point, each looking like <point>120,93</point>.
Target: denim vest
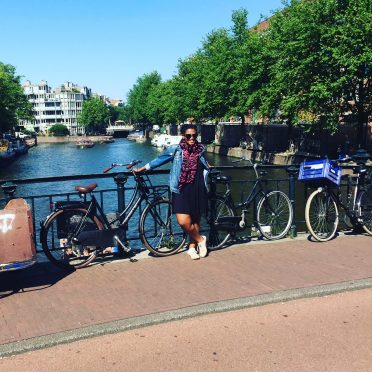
<point>174,153</point>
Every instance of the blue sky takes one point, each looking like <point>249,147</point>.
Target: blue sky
<point>107,44</point>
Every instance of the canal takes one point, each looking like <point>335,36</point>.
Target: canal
<point>66,159</point>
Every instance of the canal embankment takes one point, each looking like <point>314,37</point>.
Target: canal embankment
<point>70,139</point>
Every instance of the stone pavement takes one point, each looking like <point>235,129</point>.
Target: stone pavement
<point>43,306</point>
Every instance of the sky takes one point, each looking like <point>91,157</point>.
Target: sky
<point>107,44</point>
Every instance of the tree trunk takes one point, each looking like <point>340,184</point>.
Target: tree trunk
<point>243,133</point>
<point>361,129</point>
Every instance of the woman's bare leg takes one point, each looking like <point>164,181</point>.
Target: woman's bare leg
<point>196,223</point>
<point>190,228</point>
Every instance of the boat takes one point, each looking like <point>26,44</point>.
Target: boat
<point>141,138</point>
<point>105,139</point>
<point>7,153</point>
<point>136,137</point>
<point>20,147</point>
<point>159,140</point>
<point>172,140</point>
<point>85,144</point>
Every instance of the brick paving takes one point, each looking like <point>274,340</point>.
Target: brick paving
<point>43,300</point>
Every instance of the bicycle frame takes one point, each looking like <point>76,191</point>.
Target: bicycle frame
<point>350,207</point>
<point>256,191</point>
<point>141,193</point>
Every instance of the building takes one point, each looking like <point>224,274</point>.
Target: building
<point>116,102</point>
<point>59,106</point>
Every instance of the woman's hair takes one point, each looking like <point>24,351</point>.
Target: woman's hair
<point>188,126</point>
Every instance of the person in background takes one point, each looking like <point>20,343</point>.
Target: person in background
<point>188,184</point>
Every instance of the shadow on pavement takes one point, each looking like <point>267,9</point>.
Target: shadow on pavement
<point>34,278</point>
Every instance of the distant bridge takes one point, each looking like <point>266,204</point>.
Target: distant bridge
<point>119,129</point>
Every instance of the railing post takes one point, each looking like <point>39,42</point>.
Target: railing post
<point>292,171</point>
<point>121,179</point>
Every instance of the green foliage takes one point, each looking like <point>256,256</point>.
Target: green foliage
<point>311,65</point>
<point>318,61</point>
<point>58,130</point>
<point>13,103</point>
<point>119,113</point>
<point>138,97</point>
<point>94,115</point>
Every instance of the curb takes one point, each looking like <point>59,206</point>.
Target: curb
<point>55,339</point>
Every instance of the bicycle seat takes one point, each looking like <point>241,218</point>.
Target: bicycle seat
<point>86,189</point>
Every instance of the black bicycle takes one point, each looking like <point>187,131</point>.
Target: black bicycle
<point>321,211</point>
<point>272,216</point>
<point>76,232</point>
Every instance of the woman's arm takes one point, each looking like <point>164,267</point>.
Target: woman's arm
<point>162,159</point>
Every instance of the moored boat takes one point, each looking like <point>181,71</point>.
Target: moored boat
<point>136,137</point>
<point>20,147</point>
<point>7,153</point>
<point>85,144</point>
<point>172,140</point>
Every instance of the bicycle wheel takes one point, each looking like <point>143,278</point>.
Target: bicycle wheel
<point>274,215</point>
<point>213,225</point>
<point>160,232</point>
<point>364,203</point>
<point>321,215</point>
<point>57,233</point>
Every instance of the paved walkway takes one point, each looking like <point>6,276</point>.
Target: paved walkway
<point>43,306</point>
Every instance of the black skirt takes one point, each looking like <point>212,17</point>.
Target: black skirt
<point>192,199</point>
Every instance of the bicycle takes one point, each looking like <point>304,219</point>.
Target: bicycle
<point>321,210</point>
<point>272,216</point>
<point>76,232</point>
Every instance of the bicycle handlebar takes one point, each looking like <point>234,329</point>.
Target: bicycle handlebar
<point>128,165</point>
<point>254,165</point>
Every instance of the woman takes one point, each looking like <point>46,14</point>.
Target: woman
<point>187,182</point>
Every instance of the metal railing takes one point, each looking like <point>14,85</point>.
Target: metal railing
<point>114,199</point>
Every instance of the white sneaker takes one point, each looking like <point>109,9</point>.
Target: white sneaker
<point>193,253</point>
<point>202,247</point>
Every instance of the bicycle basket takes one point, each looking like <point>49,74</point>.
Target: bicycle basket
<point>69,221</point>
<point>320,172</point>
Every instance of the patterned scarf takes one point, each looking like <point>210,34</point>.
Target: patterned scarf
<point>190,156</point>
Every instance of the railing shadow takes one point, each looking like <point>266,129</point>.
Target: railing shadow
<point>35,278</point>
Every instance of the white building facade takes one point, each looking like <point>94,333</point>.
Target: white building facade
<point>59,106</point>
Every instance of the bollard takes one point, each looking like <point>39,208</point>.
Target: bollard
<point>292,171</point>
<point>9,189</point>
<point>121,179</point>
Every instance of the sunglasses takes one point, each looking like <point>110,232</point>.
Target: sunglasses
<point>188,136</point>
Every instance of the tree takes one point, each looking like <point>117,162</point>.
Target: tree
<point>165,103</point>
<point>13,102</point>
<point>319,53</point>
<point>94,115</point>
<point>138,97</point>
<point>58,130</point>
<point>119,113</point>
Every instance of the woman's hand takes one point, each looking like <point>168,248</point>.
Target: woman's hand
<point>138,170</point>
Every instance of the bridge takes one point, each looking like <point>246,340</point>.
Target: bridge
<point>119,129</point>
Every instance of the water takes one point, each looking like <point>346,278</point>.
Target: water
<point>66,159</point>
